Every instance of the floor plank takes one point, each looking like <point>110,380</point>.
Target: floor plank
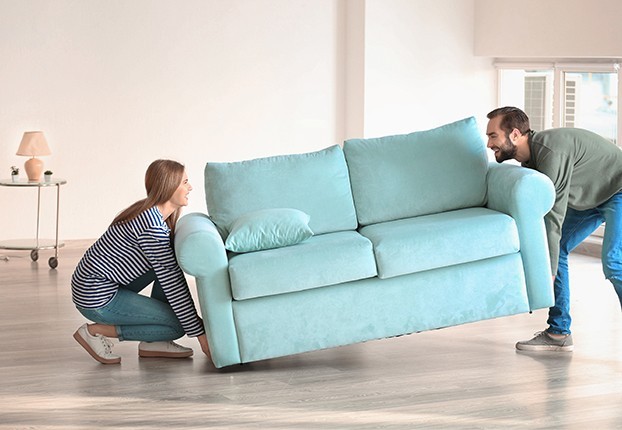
<point>460,377</point>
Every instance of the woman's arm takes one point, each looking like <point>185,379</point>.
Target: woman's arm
<point>204,346</point>
<point>157,248</point>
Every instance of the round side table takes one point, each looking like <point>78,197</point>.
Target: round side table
<point>36,244</point>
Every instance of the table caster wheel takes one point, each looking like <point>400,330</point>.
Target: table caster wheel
<point>53,262</point>
<point>34,254</point>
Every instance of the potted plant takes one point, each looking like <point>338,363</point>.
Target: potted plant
<point>48,175</point>
<point>14,173</point>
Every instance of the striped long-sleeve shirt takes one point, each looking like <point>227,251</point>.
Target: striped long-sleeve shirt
<point>125,252</point>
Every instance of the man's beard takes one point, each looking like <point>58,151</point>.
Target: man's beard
<point>506,152</point>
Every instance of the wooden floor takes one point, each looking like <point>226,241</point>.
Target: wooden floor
<point>461,377</point>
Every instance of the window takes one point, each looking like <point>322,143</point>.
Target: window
<point>564,95</point>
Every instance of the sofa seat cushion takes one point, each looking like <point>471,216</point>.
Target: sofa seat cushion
<point>321,260</point>
<point>432,241</point>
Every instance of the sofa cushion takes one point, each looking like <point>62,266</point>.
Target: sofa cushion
<point>420,173</point>
<point>267,229</point>
<point>316,183</point>
<point>432,241</point>
<point>322,260</point>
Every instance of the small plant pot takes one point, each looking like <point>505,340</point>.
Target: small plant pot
<point>48,178</point>
<point>15,178</point>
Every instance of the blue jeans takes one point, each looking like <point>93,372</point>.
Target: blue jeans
<point>577,226</point>
<point>138,317</point>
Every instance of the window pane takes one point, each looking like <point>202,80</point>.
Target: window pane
<point>535,101</point>
<point>590,101</point>
<point>530,90</point>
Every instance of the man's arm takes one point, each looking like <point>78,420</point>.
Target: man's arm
<point>558,168</point>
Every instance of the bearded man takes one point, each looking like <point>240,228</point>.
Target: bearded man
<point>586,170</point>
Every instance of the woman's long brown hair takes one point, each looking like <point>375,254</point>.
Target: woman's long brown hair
<point>161,181</point>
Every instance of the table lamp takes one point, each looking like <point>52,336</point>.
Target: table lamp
<point>33,143</point>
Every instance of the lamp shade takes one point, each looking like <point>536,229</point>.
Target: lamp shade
<point>33,143</point>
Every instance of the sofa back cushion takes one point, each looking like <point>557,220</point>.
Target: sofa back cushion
<point>420,173</point>
<point>316,183</point>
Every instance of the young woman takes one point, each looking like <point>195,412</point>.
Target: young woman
<point>135,251</point>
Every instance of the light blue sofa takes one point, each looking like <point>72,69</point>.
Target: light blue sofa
<point>386,237</point>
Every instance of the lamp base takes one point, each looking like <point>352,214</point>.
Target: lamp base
<point>33,168</point>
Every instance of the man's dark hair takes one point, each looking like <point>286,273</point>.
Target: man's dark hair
<point>513,118</point>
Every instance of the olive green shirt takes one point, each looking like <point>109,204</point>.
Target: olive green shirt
<point>585,168</point>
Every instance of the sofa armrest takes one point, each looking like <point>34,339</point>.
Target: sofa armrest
<point>198,245</point>
<point>526,195</point>
<point>201,253</point>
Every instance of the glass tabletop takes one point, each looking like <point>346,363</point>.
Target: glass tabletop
<point>28,244</point>
<point>27,183</point>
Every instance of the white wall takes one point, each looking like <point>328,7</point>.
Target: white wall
<point>117,84</point>
<point>551,28</point>
<point>420,69</point>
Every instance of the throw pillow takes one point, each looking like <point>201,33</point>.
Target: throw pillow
<point>267,229</point>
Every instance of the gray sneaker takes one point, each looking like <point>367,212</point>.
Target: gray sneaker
<point>542,341</point>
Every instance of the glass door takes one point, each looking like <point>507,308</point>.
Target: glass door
<point>590,101</point>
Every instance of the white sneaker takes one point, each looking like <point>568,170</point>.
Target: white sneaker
<point>164,349</point>
<point>98,346</point>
